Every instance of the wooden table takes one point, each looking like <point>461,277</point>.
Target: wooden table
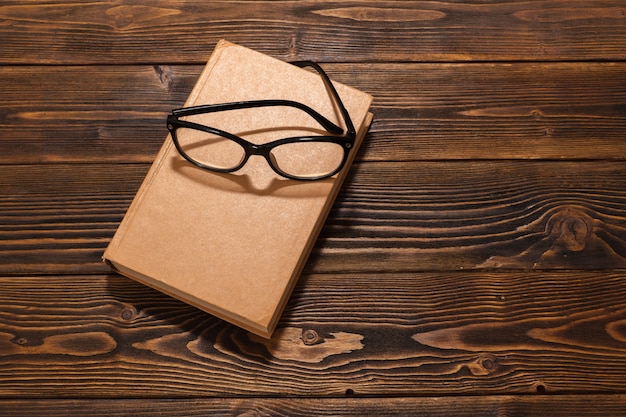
<point>474,263</point>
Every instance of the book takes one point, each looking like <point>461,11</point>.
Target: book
<point>234,244</point>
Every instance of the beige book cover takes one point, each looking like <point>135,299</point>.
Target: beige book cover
<point>234,244</point>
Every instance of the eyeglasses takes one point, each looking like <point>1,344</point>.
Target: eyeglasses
<point>307,157</point>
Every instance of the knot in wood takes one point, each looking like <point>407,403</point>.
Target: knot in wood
<point>21,341</point>
<point>310,337</point>
<point>489,364</point>
<point>483,365</point>
<point>127,314</point>
<point>165,75</point>
<point>571,228</point>
<point>537,114</point>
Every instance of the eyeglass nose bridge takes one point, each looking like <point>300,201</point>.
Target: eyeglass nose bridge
<point>262,150</point>
<point>254,149</point>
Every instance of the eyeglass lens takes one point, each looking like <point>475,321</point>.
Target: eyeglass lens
<point>303,159</point>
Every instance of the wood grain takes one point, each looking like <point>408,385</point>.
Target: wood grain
<point>410,216</point>
<point>477,215</point>
<point>474,260</point>
<point>422,111</point>
<point>488,406</point>
<point>375,334</point>
<point>151,32</point>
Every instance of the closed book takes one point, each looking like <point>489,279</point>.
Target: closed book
<point>234,244</point>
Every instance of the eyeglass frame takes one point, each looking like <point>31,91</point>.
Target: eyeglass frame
<point>346,140</point>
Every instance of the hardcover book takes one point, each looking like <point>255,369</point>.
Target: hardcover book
<point>234,244</point>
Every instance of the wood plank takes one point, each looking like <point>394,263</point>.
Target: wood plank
<point>422,111</point>
<point>102,32</point>
<point>428,334</point>
<point>484,214</point>
<point>61,217</point>
<point>413,216</point>
<point>74,114</point>
<point>475,259</point>
<point>488,406</point>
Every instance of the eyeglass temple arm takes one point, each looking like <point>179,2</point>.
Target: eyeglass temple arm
<point>210,108</point>
<point>346,116</point>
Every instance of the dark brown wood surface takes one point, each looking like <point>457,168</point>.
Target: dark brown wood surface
<point>473,264</point>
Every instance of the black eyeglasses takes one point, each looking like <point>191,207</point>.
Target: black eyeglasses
<point>308,157</point>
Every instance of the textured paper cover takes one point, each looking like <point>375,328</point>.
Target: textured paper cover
<point>234,244</point>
